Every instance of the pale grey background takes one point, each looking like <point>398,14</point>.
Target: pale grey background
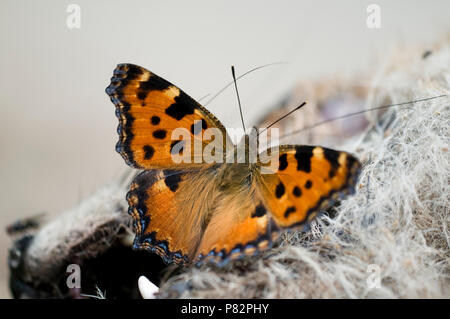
<point>58,127</point>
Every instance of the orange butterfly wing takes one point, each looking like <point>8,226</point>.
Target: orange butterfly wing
<point>309,179</point>
<point>149,110</point>
<point>239,226</point>
<point>160,224</point>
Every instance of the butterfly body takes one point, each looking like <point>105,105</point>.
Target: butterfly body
<point>200,210</point>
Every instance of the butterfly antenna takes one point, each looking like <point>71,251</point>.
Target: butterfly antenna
<point>360,112</point>
<point>237,93</point>
<point>283,117</point>
<point>203,97</point>
<point>239,77</point>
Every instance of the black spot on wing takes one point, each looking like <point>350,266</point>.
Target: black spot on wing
<point>153,83</point>
<point>303,156</point>
<point>172,180</point>
<point>332,157</point>
<point>133,71</point>
<point>308,184</point>
<point>155,120</point>
<point>160,134</point>
<point>183,106</point>
<point>352,163</point>
<point>283,162</point>
<point>279,191</point>
<point>297,192</point>
<point>289,211</point>
<point>148,152</point>
<point>260,211</point>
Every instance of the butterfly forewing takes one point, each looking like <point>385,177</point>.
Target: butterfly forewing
<point>156,119</point>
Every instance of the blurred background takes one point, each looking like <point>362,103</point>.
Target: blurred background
<point>58,128</point>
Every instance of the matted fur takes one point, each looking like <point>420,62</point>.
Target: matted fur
<point>79,233</point>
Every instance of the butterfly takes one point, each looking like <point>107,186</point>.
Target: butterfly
<point>198,211</point>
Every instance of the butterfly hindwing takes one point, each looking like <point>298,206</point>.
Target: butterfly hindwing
<point>308,179</point>
<point>240,225</point>
<point>149,110</point>
<point>159,220</point>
